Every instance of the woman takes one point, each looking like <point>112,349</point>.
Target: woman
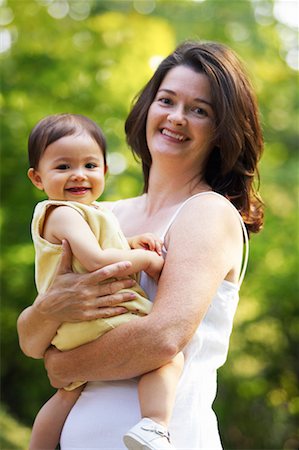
<point>195,127</point>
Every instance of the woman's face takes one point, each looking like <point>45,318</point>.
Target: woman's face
<point>180,120</point>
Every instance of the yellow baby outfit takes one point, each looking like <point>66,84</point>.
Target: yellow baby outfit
<point>105,227</point>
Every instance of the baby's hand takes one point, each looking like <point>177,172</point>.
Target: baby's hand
<point>146,241</point>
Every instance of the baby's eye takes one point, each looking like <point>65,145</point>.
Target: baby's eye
<point>90,165</point>
<point>63,167</point>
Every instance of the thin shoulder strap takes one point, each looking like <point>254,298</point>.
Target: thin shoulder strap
<point>246,252</point>
<point>245,233</point>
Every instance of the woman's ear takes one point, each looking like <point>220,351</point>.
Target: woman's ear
<point>105,169</point>
<point>35,178</point>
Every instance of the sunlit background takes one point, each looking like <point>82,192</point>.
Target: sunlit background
<point>92,57</point>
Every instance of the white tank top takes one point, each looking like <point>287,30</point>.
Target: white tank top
<point>206,352</point>
<point>106,410</point>
<point>150,286</point>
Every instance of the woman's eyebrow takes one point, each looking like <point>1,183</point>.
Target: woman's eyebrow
<point>197,99</point>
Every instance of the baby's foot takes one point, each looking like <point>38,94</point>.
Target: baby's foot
<point>148,435</point>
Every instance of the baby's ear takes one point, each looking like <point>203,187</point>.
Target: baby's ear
<point>35,178</point>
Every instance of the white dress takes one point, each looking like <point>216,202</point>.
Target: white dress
<point>106,410</point>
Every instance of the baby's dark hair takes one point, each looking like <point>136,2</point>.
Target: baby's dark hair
<point>57,126</point>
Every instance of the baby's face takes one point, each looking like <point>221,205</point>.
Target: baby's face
<point>71,168</point>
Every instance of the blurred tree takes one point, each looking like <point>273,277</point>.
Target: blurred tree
<point>92,57</point>
<point>14,436</point>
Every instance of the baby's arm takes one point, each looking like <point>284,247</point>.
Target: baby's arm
<point>64,222</point>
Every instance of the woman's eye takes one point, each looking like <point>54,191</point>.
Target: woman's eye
<point>90,165</point>
<point>63,167</point>
<point>200,111</point>
<point>165,101</point>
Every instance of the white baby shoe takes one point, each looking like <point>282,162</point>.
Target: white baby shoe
<point>148,435</point>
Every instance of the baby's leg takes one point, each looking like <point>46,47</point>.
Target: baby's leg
<point>157,391</point>
<point>50,419</point>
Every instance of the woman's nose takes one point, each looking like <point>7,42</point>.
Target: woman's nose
<point>177,116</point>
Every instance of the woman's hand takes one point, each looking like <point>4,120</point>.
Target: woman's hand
<point>76,297</point>
<point>52,359</point>
<point>197,261</point>
<point>72,298</point>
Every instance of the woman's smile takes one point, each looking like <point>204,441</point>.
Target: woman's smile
<point>174,135</point>
<point>181,117</point>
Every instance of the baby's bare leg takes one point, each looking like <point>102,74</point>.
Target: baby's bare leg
<point>50,419</point>
<point>157,390</point>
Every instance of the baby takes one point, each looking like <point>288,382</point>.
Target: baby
<point>67,154</point>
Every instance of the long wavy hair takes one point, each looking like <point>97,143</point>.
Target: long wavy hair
<point>232,167</point>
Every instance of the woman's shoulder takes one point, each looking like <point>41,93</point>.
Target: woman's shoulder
<point>209,210</point>
<point>210,202</point>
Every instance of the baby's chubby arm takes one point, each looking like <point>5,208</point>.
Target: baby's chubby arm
<point>64,222</point>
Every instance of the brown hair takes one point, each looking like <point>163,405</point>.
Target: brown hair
<point>56,126</point>
<point>231,168</point>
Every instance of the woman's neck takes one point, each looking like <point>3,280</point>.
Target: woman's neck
<point>168,188</point>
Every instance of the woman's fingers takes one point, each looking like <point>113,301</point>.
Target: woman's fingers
<point>104,313</point>
<point>114,299</point>
<point>116,270</point>
<point>50,358</point>
<point>106,306</point>
<point>76,297</point>
<point>112,287</point>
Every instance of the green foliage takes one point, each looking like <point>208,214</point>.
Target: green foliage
<point>13,436</point>
<point>93,60</point>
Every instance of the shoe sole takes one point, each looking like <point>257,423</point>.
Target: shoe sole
<point>132,444</point>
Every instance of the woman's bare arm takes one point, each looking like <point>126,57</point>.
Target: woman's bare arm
<point>196,264</point>
<point>72,298</point>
